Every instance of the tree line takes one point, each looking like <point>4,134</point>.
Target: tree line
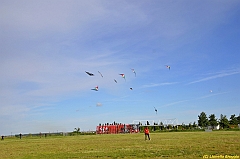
<point>223,122</point>
<point>204,122</point>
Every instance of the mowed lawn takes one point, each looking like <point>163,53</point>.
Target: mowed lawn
<point>161,145</point>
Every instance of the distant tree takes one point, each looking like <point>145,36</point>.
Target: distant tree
<point>212,120</point>
<point>161,126</point>
<point>233,120</point>
<point>77,130</point>
<point>238,119</point>
<point>223,122</point>
<point>190,125</point>
<point>194,125</point>
<point>154,128</point>
<point>184,126</point>
<point>203,120</point>
<point>169,126</point>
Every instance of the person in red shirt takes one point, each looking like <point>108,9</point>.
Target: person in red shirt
<point>146,131</point>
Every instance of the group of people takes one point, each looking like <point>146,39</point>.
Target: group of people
<point>146,132</point>
<point>20,136</point>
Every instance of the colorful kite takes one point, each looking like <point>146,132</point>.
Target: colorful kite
<point>95,89</point>
<point>90,74</point>
<point>123,76</point>
<point>168,67</point>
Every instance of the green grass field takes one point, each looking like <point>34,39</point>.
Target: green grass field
<point>161,145</point>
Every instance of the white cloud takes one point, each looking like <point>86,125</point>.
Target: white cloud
<point>197,98</point>
<point>217,75</point>
<point>49,15</point>
<point>99,104</point>
<point>158,84</point>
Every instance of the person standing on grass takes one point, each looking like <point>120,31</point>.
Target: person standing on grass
<point>146,131</point>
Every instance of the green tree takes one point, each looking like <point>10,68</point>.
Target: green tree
<point>77,130</point>
<point>233,120</point>
<point>223,122</point>
<point>194,125</point>
<point>161,126</point>
<point>190,125</point>
<point>238,119</point>
<point>203,120</point>
<point>212,120</point>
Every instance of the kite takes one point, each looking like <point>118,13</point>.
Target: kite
<point>168,67</point>
<point>210,91</point>
<point>95,89</point>
<point>100,73</point>
<point>123,76</point>
<point>155,110</point>
<point>134,71</point>
<point>90,74</point>
<point>131,88</point>
<point>115,80</point>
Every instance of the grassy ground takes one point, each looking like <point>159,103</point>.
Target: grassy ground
<point>161,145</point>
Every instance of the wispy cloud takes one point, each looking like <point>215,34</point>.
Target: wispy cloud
<point>177,102</point>
<point>158,84</point>
<point>217,75</point>
<point>210,95</point>
<point>187,100</point>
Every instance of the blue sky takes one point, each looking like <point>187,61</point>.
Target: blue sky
<point>46,47</point>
